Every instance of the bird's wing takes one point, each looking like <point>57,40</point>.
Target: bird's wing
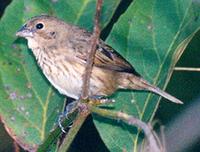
<point>106,57</point>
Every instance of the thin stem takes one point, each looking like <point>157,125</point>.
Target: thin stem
<point>187,69</point>
<point>153,144</point>
<point>91,55</point>
<point>16,147</point>
<point>163,138</point>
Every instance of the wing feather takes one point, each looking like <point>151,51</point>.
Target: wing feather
<point>106,57</point>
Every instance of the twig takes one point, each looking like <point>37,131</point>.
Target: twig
<point>153,143</point>
<point>16,147</point>
<point>187,69</point>
<point>91,55</point>
<point>163,138</point>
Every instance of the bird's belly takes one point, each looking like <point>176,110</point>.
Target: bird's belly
<point>66,83</point>
<point>68,87</point>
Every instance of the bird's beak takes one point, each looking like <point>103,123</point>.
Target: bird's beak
<point>24,32</point>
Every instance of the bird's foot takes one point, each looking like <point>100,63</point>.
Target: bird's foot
<point>99,100</point>
<point>71,107</point>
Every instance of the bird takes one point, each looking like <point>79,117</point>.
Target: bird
<point>61,51</point>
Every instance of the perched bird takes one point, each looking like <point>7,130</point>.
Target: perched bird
<point>61,50</point>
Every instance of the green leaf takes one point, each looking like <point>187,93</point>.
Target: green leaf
<point>29,106</point>
<point>151,35</point>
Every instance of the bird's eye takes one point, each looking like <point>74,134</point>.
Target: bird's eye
<point>39,26</point>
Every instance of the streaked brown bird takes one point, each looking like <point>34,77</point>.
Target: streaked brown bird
<point>61,50</point>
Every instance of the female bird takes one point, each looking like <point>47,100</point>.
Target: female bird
<point>61,50</point>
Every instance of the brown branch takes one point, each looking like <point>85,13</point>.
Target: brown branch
<point>154,145</point>
<point>152,140</point>
<point>91,55</point>
<point>16,147</point>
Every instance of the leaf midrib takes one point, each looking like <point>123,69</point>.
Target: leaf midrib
<point>79,14</point>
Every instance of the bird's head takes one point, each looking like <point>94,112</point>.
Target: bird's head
<point>43,30</point>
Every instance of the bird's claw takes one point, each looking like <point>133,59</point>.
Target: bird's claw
<point>60,119</point>
<point>98,100</point>
<point>69,109</point>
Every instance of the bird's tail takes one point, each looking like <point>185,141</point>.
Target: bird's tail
<point>137,83</point>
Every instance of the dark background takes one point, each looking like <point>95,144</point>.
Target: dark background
<point>184,85</point>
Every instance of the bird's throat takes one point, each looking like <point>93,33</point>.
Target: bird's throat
<point>32,44</point>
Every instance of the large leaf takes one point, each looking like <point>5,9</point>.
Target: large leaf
<point>29,106</point>
<point>151,35</point>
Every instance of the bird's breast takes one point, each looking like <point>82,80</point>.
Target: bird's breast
<point>63,75</point>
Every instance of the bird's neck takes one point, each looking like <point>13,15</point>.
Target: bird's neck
<point>36,49</point>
